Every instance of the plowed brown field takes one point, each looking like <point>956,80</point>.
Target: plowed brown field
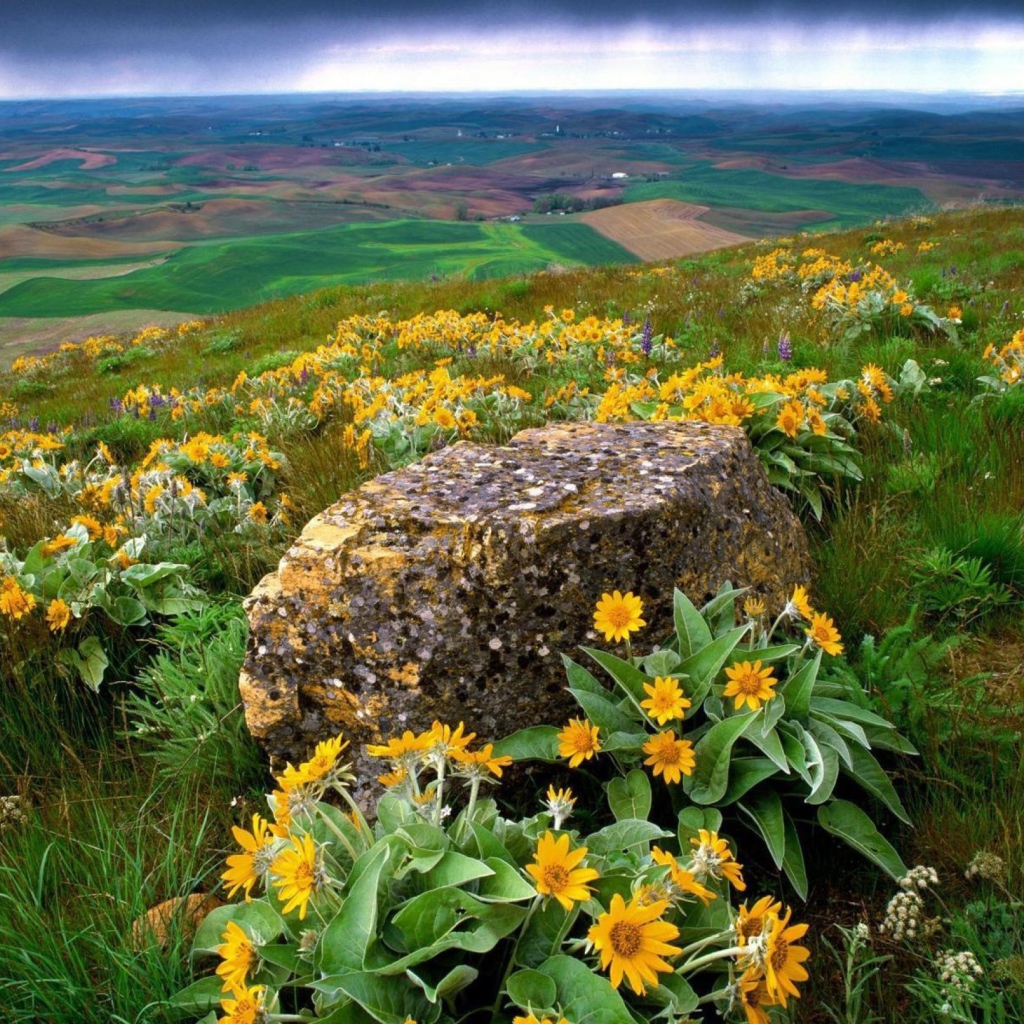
<point>661,229</point>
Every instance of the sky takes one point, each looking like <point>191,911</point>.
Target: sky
<point>59,48</point>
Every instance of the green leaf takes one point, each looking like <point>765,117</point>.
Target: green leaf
<point>630,797</point>
<point>693,819</point>
<point>538,743</point>
<point>488,846</point>
<point>675,992</point>
<point>846,711</point>
<point>580,678</point>
<point>201,996</point>
<point>660,663</point>
<point>126,611</point>
<point>825,785</point>
<point>797,689</point>
<point>692,631</point>
<point>623,834</point>
<point>533,991</point>
<point>630,678</point>
<point>453,982</point>
<point>143,575</point>
<point>770,745</point>
<point>352,931</point>
<point>604,713</point>
<point>720,611</point>
<point>261,922</point>
<point>543,934</point>
<point>426,844</point>
<point>853,826</point>
<point>89,660</point>
<point>869,774</point>
<point>584,996</point>
<point>705,664</point>
<point>505,884</point>
<point>764,809</point>
<point>827,736</point>
<point>455,868</point>
<point>382,998</point>
<point>744,775</point>
<point>793,861</point>
<point>713,753</point>
<point>764,654</point>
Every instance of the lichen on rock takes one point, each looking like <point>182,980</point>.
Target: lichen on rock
<point>448,589</point>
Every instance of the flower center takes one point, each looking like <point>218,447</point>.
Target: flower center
<point>749,683</point>
<point>669,754</point>
<point>750,927</point>
<point>304,877</point>
<point>626,939</point>
<point>618,616</point>
<point>780,954</point>
<point>556,878</point>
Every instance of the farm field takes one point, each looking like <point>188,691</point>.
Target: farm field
<point>213,205</point>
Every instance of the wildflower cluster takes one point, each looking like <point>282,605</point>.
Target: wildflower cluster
<point>904,914</point>
<point>327,899</point>
<point>12,812</point>
<point>1007,362</point>
<point>693,712</point>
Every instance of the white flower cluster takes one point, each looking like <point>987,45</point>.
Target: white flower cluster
<point>11,812</point>
<point>989,866</point>
<point>959,970</point>
<point>919,877</point>
<point>903,916</point>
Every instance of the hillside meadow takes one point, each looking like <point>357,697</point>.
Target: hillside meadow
<point>865,773</point>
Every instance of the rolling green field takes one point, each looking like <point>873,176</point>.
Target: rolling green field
<point>850,204</point>
<point>215,277</point>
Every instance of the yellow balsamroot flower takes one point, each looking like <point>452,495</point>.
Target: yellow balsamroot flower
<point>246,1007</point>
<point>92,525</point>
<point>750,924</point>
<point>783,959</point>
<point>239,957</point>
<point>530,1019</point>
<point>667,700</point>
<point>444,740</point>
<point>669,757</point>
<point>749,684</point>
<point>299,875</point>
<point>445,419</point>
<point>712,858</point>
<point>258,512</point>
<point>15,602</point>
<point>400,748</point>
<point>617,615</point>
<point>824,633</point>
<point>754,996</point>
<point>578,741</point>
<point>632,942</point>
<point>798,606</point>
<point>555,871</point>
<point>480,761</point>
<point>323,762</point>
<point>246,869</point>
<point>753,607</point>
<point>791,418</point>
<point>682,880</point>
<point>58,615</point>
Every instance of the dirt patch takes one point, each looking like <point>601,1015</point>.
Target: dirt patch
<point>661,229</point>
<point>22,240</point>
<point>88,160</point>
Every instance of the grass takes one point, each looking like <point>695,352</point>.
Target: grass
<point>111,830</point>
<point>215,277</point>
<point>849,204</point>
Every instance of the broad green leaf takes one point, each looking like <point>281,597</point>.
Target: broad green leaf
<point>825,785</point>
<point>676,992</point>
<point>604,713</point>
<point>260,921</point>
<point>797,689</point>
<point>623,834</point>
<point>584,996</point>
<point>770,745</point>
<point>720,612</point>
<point>533,991</point>
<point>352,931</point>
<point>692,631</point>
<point>827,736</point>
<point>488,846</point>
<point>713,752</point>
<point>454,868</point>
<point>764,654</point>
<point>505,885</point>
<point>704,665</point>
<point>543,934</point>
<point>630,678</point>
<point>580,678</point>
<point>426,844</point>
<point>847,711</point>
<point>630,742</point>
<point>889,739</point>
<point>384,999</point>
<point>693,819</point>
<point>793,861</point>
<point>454,981</point>
<point>201,996</point>
<point>661,663</point>
<point>851,730</point>
<point>869,774</point>
<point>392,813</point>
<point>89,660</point>
<point>538,743</point>
<point>774,711</point>
<point>764,810</point>
<point>126,611</point>
<point>744,775</point>
<point>630,797</point>
<point>853,826</point>
<point>796,754</point>
<point>143,575</point>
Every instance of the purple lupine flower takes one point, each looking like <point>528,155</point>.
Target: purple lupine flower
<point>304,376</point>
<point>855,276</point>
<point>51,427</point>
<point>785,347</point>
<point>156,400</point>
<point>34,424</point>
<point>152,414</point>
<point>715,350</point>
<point>647,337</point>
<point>625,319</point>
<point>116,405</point>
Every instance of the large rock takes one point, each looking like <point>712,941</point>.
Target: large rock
<point>449,588</point>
